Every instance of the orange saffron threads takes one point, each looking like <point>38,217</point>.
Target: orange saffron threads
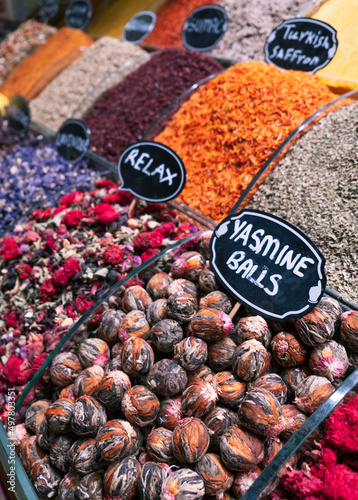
<point>227,130</point>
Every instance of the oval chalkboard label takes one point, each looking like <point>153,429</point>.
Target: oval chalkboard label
<point>18,114</point>
<point>139,27</point>
<point>72,140</point>
<point>302,44</point>
<point>267,264</point>
<point>205,27</point>
<point>151,171</point>
<point>48,10</point>
<point>78,14</point>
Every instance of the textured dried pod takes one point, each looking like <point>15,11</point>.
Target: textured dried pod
<point>135,324</point>
<point>188,266</point>
<point>45,478</point>
<point>288,350</point>
<point>210,325</point>
<point>243,481</point>
<point>59,452</point>
<point>151,481</point>
<point>272,383</point>
<point>84,456</point>
<point>190,353</point>
<point>136,298</point>
<point>137,357</point>
<point>67,486</point>
<point>44,434</point>
<point>159,445</point>
<point>170,413</point>
<point>220,354</point>
<point>112,389</point>
<point>292,377</point>
<point>217,478</point>
<point>253,328</point>
<point>329,360</point>
<point>157,311</point>
<point>90,487</point>
<point>33,411</point>
<point>198,399</point>
<point>30,453</point>
<point>113,365</point>
<point>218,420</point>
<point>312,392</point>
<point>201,374</point>
<point>216,300</point>
<point>230,390</point>
<point>207,282</point>
<point>88,416</point>
<point>190,440</point>
<point>183,285</point>
<point>87,381</point>
<point>94,352</point>
<point>59,415</point>
<point>166,334</point>
<point>250,360</point>
<point>109,327</point>
<point>240,449</point>
<point>166,378</point>
<point>121,479</point>
<point>117,439</point>
<point>292,419</point>
<point>64,369</point>
<point>158,284</point>
<point>349,330</point>
<point>315,327</point>
<point>140,406</point>
<point>182,307</point>
<point>204,244</point>
<point>183,484</point>
<point>260,412</point>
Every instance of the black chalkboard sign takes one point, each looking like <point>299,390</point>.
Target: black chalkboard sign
<point>139,27</point>
<point>151,171</point>
<point>302,44</point>
<point>72,140</point>
<point>267,264</point>
<point>48,10</point>
<point>18,114</point>
<point>205,27</point>
<point>78,14</point>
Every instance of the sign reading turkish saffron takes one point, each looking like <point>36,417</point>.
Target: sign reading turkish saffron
<point>205,27</point>
<point>18,114</point>
<point>72,140</point>
<point>267,264</point>
<point>302,44</point>
<point>151,171</point>
<point>139,27</point>
<point>78,14</point>
<point>48,10</point>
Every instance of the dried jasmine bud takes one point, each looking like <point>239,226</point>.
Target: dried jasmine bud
<point>333,307</point>
<point>135,324</point>
<point>170,413</point>
<point>216,300</point>
<point>240,449</point>
<point>315,327</point>
<point>88,416</point>
<point>183,484</point>
<point>217,478</point>
<point>87,381</point>
<point>158,285</point>
<point>68,485</point>
<point>272,383</point>
<point>113,365</point>
<point>253,328</point>
<point>36,408</point>
<point>84,456</point>
<point>59,452</point>
<point>166,378</point>
<point>137,357</point>
<point>44,434</point>
<point>288,351</point>
<point>349,330</point>
<point>166,334</point>
<point>45,478</point>
<point>244,480</point>
<point>204,244</point>
<point>64,369</point>
<point>59,415</point>
<point>250,360</point>
<point>140,406</point>
<point>30,453</point>
<point>136,298</point>
<point>312,392</point>
<point>292,419</point>
<point>183,285</point>
<point>121,479</point>
<point>201,374</point>
<point>159,445</point>
<point>220,354</point>
<point>182,307</point>
<point>157,311</point>
<point>218,421</point>
<point>188,266</point>
<point>210,325</point>
<point>230,390</point>
<point>94,352</point>
<point>151,481</point>
<point>190,440</point>
<point>198,399</point>
<point>190,353</point>
<point>90,487</point>
<point>292,377</point>
<point>112,388</point>
<point>109,327</point>
<point>207,282</point>
<point>117,439</point>
<point>260,412</point>
<point>329,360</point>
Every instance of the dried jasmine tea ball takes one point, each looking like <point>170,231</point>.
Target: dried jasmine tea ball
<point>288,350</point>
<point>217,478</point>
<point>216,300</point>
<point>190,440</point>
<point>349,330</point>
<point>292,419</point>
<point>166,378</point>
<point>207,282</point>
<point>151,481</point>
<point>64,369</point>
<point>230,390</point>
<point>292,377</point>
<point>201,374</point>
<point>240,449</point>
<point>204,244</point>
<point>67,486</point>
<point>183,484</point>
<point>44,434</point>
<point>137,357</point>
<point>45,478</point>
<point>87,381</point>
<point>210,325</point>
<point>36,408</point>
<point>121,479</point>
<point>198,399</point>
<point>136,298</point>
<point>315,327</point>
<point>183,285</point>
<point>158,285</point>
<point>94,352</point>
<point>329,360</point>
<point>218,421</point>
<point>117,348</point>
<point>220,354</point>
<point>243,481</point>
<point>159,445</point>
<point>30,453</point>
<point>117,439</point>
<point>90,487</point>
<point>88,416</point>
<point>272,383</point>
<point>188,266</point>
<point>260,412</point>
<point>166,334</point>
<point>170,413</point>
<point>333,307</point>
<point>84,456</point>
<point>140,406</point>
<point>190,353</point>
<point>59,415</point>
<point>272,445</point>
<point>312,392</point>
<point>253,328</point>
<point>112,389</point>
<point>157,311</point>
<point>182,307</point>
<point>66,392</point>
<point>113,365</point>
<point>250,360</point>
<point>59,452</point>
<point>135,324</point>
<point>109,327</point>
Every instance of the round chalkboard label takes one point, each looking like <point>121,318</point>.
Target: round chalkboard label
<point>48,10</point>
<point>139,27</point>
<point>267,264</point>
<point>18,114</point>
<point>78,14</point>
<point>302,44</point>
<point>205,27</point>
<point>151,171</point>
<point>72,140</point>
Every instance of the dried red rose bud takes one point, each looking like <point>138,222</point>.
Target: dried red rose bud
<point>183,484</point>
<point>94,352</point>
<point>158,284</point>
<point>250,360</point>
<point>90,486</point>
<point>253,328</point>
<point>68,485</point>
<point>136,298</point>
<point>59,452</point>
<point>88,416</point>
<point>170,413</point>
<point>33,411</point>
<point>198,399</point>
<point>207,282</point>
<point>292,419</point>
<point>137,357</point>
<point>157,311</point>
<point>87,381</point>
<point>210,325</point>
<point>216,300</point>
<point>190,353</point>
<point>288,350</point>
<point>292,377</point>
<point>217,478</point>
<point>190,440</point>
<point>201,374</point>
<point>151,481</point>
<point>260,412</point>
<point>121,479</point>
<point>218,420</point>
<point>84,456</point>
<point>59,415</point>
<point>166,334</point>
<point>166,378</point>
<point>140,406</point>
<point>135,324</point>
<point>349,330</point>
<point>183,285</point>
<point>272,383</point>
<point>230,390</point>
<point>64,369</point>
<point>117,439</point>
<point>45,478</point>
<point>312,392</point>
<point>159,445</point>
<point>240,449</point>
<point>182,307</point>
<point>109,327</point>
<point>315,327</point>
<point>220,354</point>
<point>243,481</point>
<point>188,266</point>
<point>329,360</point>
<point>112,388</point>
<point>30,453</point>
